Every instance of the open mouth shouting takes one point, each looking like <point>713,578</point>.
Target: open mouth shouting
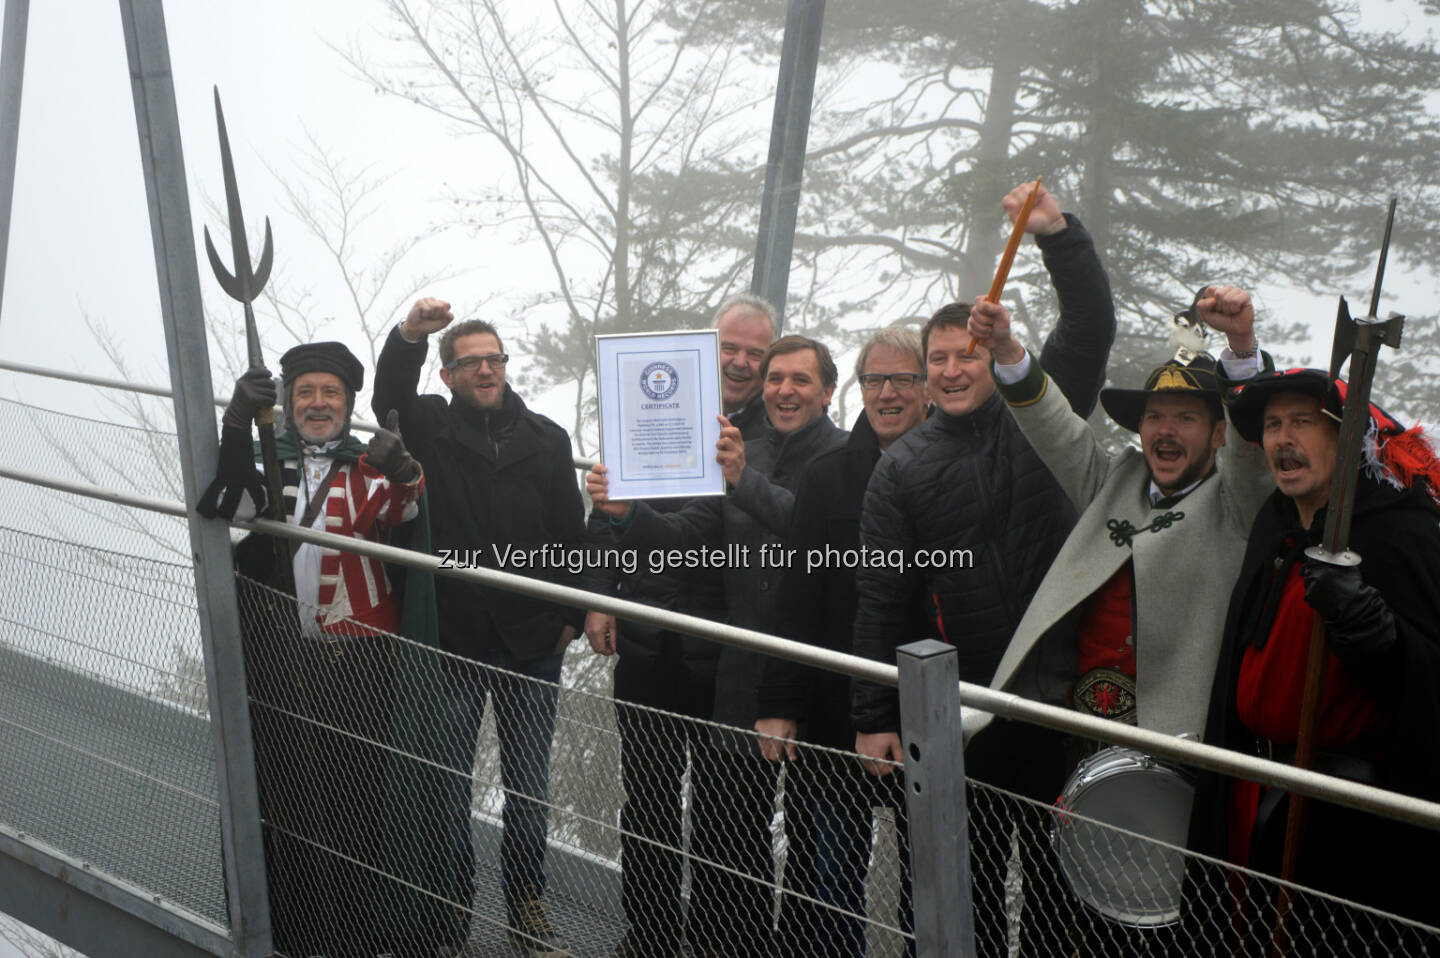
<point>1288,463</point>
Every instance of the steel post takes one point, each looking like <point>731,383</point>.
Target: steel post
<point>12,79</point>
<point>935,799</point>
<point>172,233</point>
<point>785,169</point>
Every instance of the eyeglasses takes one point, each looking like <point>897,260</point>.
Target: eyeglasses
<point>472,363</point>
<point>871,382</point>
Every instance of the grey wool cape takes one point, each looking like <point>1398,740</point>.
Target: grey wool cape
<point>1186,557</point>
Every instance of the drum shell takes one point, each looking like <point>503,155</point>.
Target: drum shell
<point>1129,880</point>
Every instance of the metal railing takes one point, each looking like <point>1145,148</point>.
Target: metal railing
<point>1024,891</point>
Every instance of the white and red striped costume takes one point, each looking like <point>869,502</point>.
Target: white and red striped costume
<point>338,585</point>
<point>360,503</point>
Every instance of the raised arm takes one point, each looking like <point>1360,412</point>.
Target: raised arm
<point>1077,350</point>
<point>1063,439</point>
<point>397,371</point>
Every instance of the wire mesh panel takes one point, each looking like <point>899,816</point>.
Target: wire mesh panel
<point>1088,875</point>
<point>105,747</point>
<point>137,459</point>
<point>480,807</point>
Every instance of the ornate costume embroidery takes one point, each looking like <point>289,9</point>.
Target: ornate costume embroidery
<point>1123,532</point>
<point>1107,693</point>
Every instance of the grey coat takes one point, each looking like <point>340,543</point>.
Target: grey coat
<point>1185,567</point>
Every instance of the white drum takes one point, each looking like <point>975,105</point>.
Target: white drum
<point>1126,879</point>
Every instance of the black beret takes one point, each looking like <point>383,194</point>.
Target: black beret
<point>322,358</point>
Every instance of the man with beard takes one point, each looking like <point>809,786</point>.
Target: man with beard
<point>1118,628</point>
<point>502,479</point>
<point>734,787</point>
<point>829,798</point>
<point>661,674</point>
<point>1379,718</point>
<point>321,700</point>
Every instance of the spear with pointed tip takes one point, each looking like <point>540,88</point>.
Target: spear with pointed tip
<point>244,285</point>
<point>1357,340</point>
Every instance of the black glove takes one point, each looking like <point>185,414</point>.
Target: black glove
<point>1359,622</point>
<point>388,453</point>
<point>254,391</point>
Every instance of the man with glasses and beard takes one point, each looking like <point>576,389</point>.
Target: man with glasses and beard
<point>501,478</point>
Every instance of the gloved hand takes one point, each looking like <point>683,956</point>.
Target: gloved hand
<point>1360,624</point>
<point>387,452</point>
<point>254,391</point>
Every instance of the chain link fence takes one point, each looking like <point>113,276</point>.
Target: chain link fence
<point>104,744</point>
<point>1086,876</point>
<point>418,803</point>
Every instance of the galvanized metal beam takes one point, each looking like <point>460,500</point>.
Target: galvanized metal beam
<point>95,913</point>
<point>12,80</point>
<point>935,807</point>
<point>785,169</point>
<point>158,124</point>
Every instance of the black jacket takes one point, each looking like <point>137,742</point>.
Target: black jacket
<point>1396,535</point>
<point>753,515</point>
<point>818,606</point>
<point>497,481</point>
<point>974,483</point>
<point>972,499</point>
<point>691,591</point>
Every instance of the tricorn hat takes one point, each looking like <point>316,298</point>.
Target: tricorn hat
<point>1196,378</point>
<point>1391,453</point>
<point>1248,400</point>
<point>322,358</point>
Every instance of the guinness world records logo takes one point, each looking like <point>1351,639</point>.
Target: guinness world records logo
<point>659,381</point>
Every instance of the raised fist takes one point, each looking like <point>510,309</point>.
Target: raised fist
<point>1045,216</point>
<point>428,315</point>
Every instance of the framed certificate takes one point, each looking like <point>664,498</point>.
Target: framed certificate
<point>659,403</point>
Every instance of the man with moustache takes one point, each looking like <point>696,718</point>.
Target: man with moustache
<point>660,674</point>
<point>1118,627</point>
<point>829,799</point>
<point>322,699</point>
<point>967,479</point>
<point>1379,719</point>
<point>500,477</point>
<point>734,787</point>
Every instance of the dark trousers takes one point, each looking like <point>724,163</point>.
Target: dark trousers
<point>829,824</point>
<point>654,752</point>
<point>319,737</point>
<point>733,868</point>
<point>525,704</point>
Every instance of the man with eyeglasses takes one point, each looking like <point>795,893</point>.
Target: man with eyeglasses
<point>501,480</point>
<point>829,799</point>
<point>967,485</point>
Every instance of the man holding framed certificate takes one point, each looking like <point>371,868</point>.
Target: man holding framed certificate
<point>734,787</point>
<point>663,678</point>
